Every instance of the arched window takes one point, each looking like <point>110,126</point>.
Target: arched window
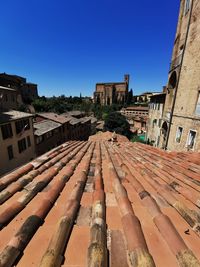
<point>164,129</point>
<point>172,80</point>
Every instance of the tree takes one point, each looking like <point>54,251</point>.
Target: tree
<point>130,97</point>
<point>115,122</point>
<point>80,98</point>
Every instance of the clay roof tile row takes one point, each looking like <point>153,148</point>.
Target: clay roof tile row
<point>101,203</point>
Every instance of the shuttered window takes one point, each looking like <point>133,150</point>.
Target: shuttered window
<point>22,125</point>
<point>10,152</point>
<point>22,145</point>
<point>6,131</point>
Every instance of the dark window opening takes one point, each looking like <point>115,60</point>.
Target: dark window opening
<point>191,139</point>
<point>6,131</point>
<point>39,139</point>
<point>154,122</point>
<point>179,134</point>
<point>172,80</point>
<point>164,129</point>
<point>22,145</point>
<point>22,126</point>
<point>10,152</point>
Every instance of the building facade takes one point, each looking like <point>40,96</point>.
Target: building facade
<point>181,119</point>
<point>144,98</point>
<point>16,139</point>
<point>156,108</point>
<point>112,93</point>
<point>47,135</point>
<point>71,128</point>
<point>62,120</point>
<point>28,91</point>
<point>133,111</point>
<point>9,98</point>
<point>137,118</point>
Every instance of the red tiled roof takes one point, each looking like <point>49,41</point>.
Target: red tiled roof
<point>107,136</point>
<point>54,117</point>
<point>86,203</point>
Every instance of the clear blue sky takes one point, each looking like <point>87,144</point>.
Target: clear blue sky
<point>67,46</point>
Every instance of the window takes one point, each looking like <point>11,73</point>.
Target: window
<point>191,139</point>
<point>187,6</point>
<point>22,126</point>
<point>49,134</point>
<point>154,122</point>
<point>197,111</point>
<point>10,152</point>
<point>28,141</point>
<point>6,131</point>
<point>179,134</point>
<point>172,80</point>
<point>22,145</point>
<point>39,139</point>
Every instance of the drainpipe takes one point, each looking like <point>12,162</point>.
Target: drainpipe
<point>176,89</point>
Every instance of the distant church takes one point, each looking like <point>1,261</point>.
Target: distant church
<point>112,93</point>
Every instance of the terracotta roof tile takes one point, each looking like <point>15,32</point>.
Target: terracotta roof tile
<point>54,117</point>
<point>92,202</point>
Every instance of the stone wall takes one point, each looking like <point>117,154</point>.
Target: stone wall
<point>188,88</point>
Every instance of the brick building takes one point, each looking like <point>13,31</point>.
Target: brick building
<point>79,129</point>
<point>9,98</point>
<point>48,134</point>
<point>52,130</point>
<point>28,91</point>
<point>181,120</point>
<point>64,131</point>
<point>112,93</point>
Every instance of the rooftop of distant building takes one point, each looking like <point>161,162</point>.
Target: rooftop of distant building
<point>45,126</point>
<point>11,115</point>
